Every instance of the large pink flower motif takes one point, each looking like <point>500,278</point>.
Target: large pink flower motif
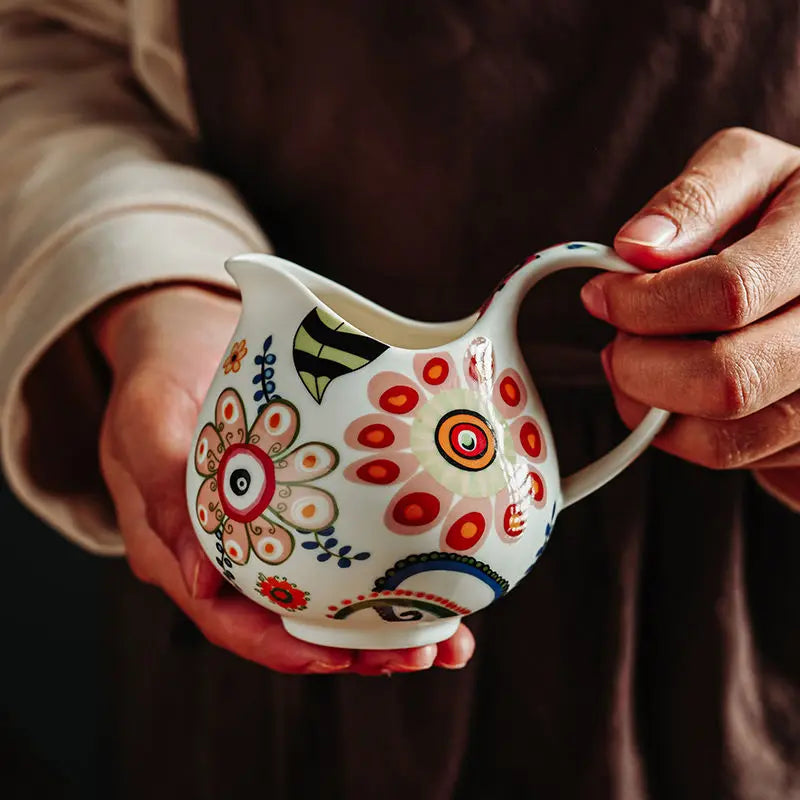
<point>460,446</point>
<point>253,482</point>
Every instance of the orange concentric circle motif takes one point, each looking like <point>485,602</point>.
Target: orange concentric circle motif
<point>466,439</point>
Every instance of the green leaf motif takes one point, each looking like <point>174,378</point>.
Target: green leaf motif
<point>326,347</point>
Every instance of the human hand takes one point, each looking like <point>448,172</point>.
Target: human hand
<point>715,337</point>
<point>163,346</point>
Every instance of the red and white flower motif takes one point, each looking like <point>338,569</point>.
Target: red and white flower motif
<point>282,592</point>
<point>253,482</point>
<point>459,444</point>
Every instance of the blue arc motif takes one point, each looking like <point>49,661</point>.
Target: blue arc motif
<point>436,562</point>
<point>385,606</point>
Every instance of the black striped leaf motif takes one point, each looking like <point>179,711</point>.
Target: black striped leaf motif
<point>325,348</point>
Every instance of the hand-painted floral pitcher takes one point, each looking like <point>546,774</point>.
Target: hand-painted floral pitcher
<point>371,478</point>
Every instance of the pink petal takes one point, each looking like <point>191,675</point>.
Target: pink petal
<point>510,394</point>
<point>538,489</point>
<point>511,514</point>
<point>235,541</point>
<point>528,439</point>
<point>271,542</point>
<point>417,506</point>
<point>275,428</point>
<point>208,450</point>
<point>208,507</point>
<point>382,469</point>
<point>378,432</point>
<point>306,463</point>
<point>231,419</point>
<point>304,507</point>
<point>394,393</point>
<point>436,371</point>
<point>479,365</point>
<point>466,526</point>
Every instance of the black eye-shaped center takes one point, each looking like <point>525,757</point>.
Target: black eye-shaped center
<point>246,482</point>
<point>240,482</point>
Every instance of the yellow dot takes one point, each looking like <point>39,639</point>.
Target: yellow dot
<point>469,529</point>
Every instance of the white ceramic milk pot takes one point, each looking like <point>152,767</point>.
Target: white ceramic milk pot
<point>374,479</point>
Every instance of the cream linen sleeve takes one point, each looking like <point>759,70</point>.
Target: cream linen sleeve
<point>97,196</point>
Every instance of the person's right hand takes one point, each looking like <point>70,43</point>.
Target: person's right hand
<point>163,346</point>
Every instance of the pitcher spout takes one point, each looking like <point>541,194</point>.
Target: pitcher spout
<point>261,278</point>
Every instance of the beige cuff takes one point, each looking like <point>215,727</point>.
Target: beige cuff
<point>52,393</point>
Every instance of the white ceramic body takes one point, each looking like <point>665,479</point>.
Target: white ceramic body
<point>398,582</point>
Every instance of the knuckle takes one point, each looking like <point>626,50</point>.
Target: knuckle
<point>723,449</point>
<point>693,194</point>
<point>739,137</point>
<point>735,293</point>
<point>152,412</point>
<point>737,383</point>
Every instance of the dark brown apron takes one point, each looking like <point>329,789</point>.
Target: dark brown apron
<point>415,151</point>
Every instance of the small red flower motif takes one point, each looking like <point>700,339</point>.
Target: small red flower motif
<point>283,593</point>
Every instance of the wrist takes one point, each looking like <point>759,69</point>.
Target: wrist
<point>128,326</point>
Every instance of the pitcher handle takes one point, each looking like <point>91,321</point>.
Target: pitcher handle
<point>506,302</point>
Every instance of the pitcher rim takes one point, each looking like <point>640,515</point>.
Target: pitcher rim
<point>290,269</point>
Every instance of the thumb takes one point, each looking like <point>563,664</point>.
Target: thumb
<point>150,424</point>
<point>728,179</point>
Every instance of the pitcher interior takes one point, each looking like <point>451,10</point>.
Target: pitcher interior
<point>379,323</point>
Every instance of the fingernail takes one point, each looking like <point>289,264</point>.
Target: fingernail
<point>195,577</point>
<point>653,230</point>
<point>323,667</point>
<point>390,668</point>
<point>594,298</point>
<point>190,569</point>
<point>451,666</point>
<point>605,360</point>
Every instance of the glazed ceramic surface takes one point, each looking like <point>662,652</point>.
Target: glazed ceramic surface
<point>374,479</point>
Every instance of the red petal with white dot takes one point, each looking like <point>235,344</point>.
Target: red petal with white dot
<point>208,450</point>
<point>230,418</point>
<point>275,428</point>
<point>271,542</point>
<point>235,541</point>
<point>208,508</point>
<point>304,507</point>
<point>306,463</point>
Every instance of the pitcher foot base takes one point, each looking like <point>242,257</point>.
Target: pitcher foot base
<point>395,636</point>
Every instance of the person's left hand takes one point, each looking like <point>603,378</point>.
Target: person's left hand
<point>714,338</point>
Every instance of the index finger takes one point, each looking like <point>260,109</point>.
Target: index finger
<point>723,292</point>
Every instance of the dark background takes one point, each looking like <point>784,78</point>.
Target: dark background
<point>54,679</point>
